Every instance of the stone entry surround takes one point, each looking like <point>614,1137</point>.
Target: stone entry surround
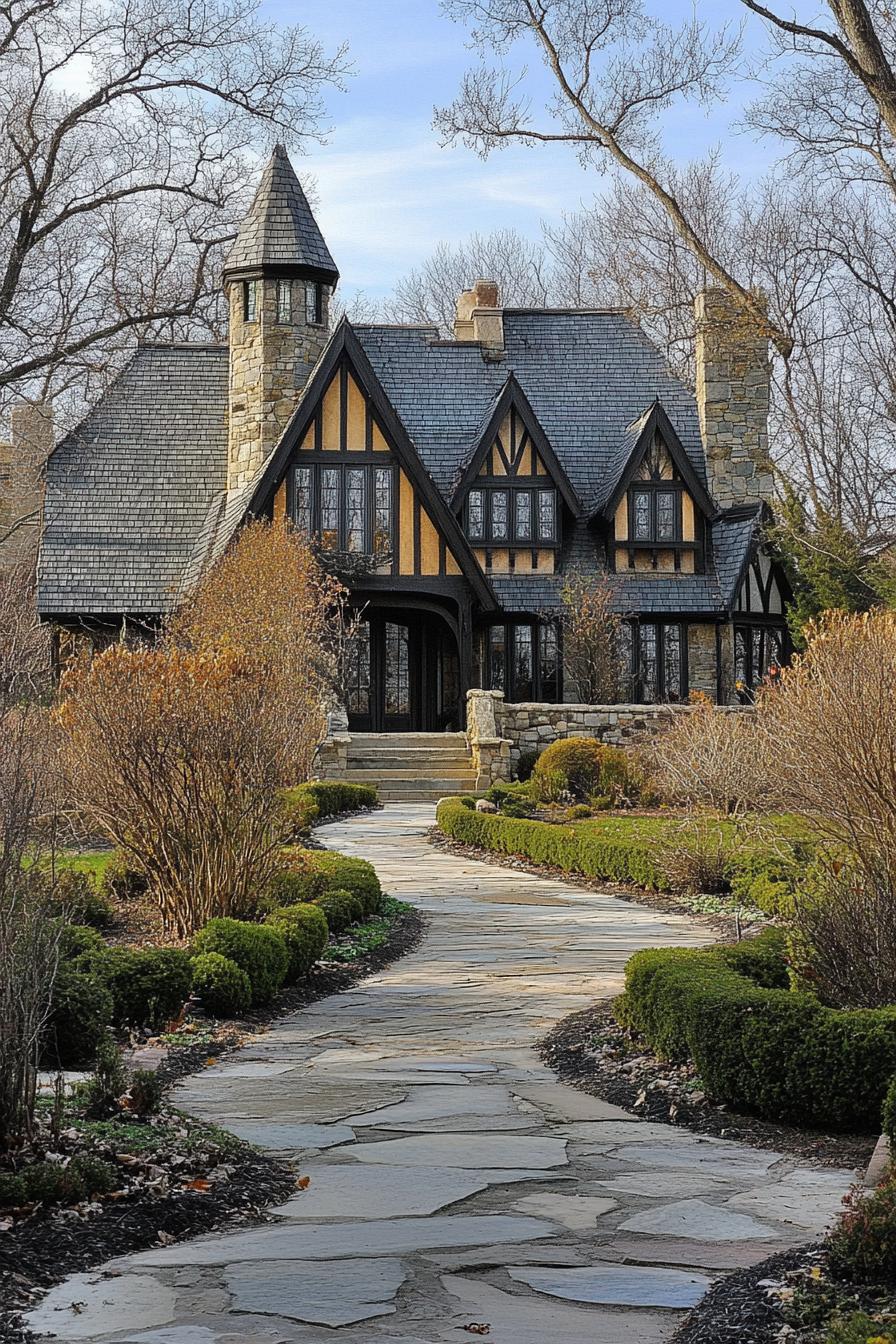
<point>453,1180</point>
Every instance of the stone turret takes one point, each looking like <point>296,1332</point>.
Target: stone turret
<point>733,375</point>
<point>278,278</point>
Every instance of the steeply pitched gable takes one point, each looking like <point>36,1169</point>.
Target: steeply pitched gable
<point>634,448</point>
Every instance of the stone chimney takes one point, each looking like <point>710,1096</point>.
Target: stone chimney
<point>21,481</point>
<point>479,318</point>
<point>733,376</point>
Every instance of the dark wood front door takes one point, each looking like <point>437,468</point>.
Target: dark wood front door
<point>401,675</point>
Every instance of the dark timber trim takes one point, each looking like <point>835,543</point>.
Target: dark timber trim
<point>658,422</point>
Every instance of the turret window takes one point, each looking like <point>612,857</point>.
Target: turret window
<point>250,300</point>
<point>284,302</point>
<point>314,303</point>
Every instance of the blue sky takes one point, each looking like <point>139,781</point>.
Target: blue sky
<point>388,192</point>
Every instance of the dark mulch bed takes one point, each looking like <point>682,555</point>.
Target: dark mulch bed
<point>720,918</point>
<point>42,1250</point>
<point>592,1052</point>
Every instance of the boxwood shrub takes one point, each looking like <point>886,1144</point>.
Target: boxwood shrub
<point>149,986</point>
<point>305,931</point>
<point>307,803</point>
<point>342,872</point>
<point>81,1009</point>
<point>341,909</point>
<point>223,987</point>
<point>258,949</point>
<point>619,858</point>
<point>757,1045</point>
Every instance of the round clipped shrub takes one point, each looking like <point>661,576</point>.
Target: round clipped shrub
<point>342,872</point>
<point>76,897</point>
<point>578,812</point>
<point>258,949</point>
<point>300,810</point>
<point>571,765</point>
<point>305,931</point>
<point>77,939</point>
<point>224,988</point>
<point>342,909</point>
<point>123,882</point>
<point>149,986</point>
<point>289,886</point>
<point>81,1008</point>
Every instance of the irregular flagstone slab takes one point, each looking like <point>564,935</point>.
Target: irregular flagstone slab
<point>496,1257</point>
<point>343,1190</point>
<point>566,1104</point>
<point>607,1132</point>
<point>705,1222</point>
<point>335,1241</point>
<point>700,1254</point>
<point>88,1306</point>
<point>577,1212</point>
<point>528,1320</point>
<point>430,1103</point>
<point>333,1294</point>
<point>740,1164</point>
<point>284,1138</point>
<point>465,1150</point>
<point>808,1199</point>
<point>666,1184</point>
<point>618,1286</point>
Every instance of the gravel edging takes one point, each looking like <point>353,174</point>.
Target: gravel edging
<point>57,1248</point>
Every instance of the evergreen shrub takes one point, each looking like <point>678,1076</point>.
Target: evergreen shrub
<point>757,1045</point>
<point>258,949</point>
<point>341,909</point>
<point>224,988</point>
<point>305,931</point>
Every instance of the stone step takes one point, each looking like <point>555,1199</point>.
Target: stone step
<point>421,795</point>
<point>408,783</point>
<point>370,774</point>
<point>412,739</point>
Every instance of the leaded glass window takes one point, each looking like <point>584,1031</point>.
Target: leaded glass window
<point>522,527</point>
<point>647,663</point>
<point>304,500</point>
<point>549,652</point>
<point>665,515</point>
<point>382,520</point>
<point>547,511</point>
<point>497,658</point>
<point>357,671</point>
<point>356,481</point>
<point>250,300</point>
<point>314,303</point>
<point>329,507</point>
<point>499,515</point>
<point>672,687</point>
<point>641,515</point>
<point>284,301</point>
<point>475,515</point>
<point>523,679</point>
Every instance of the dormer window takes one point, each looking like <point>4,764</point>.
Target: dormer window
<point>314,303</point>
<point>654,514</point>
<point>512,515</point>
<point>250,300</point>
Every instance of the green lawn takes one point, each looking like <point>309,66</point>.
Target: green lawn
<point>92,861</point>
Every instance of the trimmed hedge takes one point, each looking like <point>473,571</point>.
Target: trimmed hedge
<point>260,951</point>
<point>569,848</point>
<point>304,929</point>
<point>224,988</point>
<point>757,1045</point>
<point>341,909</point>
<point>307,803</point>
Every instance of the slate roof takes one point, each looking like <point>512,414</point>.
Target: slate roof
<point>587,375</point>
<point>280,229</point>
<point>136,498</point>
<point>129,491</point>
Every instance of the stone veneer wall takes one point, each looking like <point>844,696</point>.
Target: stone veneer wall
<point>269,365</point>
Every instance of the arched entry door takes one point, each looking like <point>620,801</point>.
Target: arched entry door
<point>402,673</point>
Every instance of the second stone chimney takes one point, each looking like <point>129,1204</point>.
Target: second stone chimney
<point>479,318</point>
<point>733,380</point>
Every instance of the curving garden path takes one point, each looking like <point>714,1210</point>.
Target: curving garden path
<point>453,1182</point>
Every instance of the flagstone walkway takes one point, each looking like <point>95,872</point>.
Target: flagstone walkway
<point>453,1181</point>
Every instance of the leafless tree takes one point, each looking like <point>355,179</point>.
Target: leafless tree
<point>126,129</point>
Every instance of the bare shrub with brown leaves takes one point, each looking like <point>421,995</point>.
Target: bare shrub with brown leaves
<point>695,855</point>
<point>829,733</point>
<point>844,926</point>
<point>710,757</point>
<point>592,639</point>
<point>177,752</point>
<point>29,938</point>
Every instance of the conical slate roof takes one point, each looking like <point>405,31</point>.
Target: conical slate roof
<point>280,229</point>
